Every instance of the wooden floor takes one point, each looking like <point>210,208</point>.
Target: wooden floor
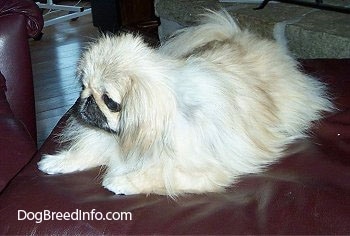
<point>54,60</point>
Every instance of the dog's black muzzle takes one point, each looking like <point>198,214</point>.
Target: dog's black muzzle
<point>88,112</point>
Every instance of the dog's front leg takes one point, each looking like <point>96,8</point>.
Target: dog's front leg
<point>137,181</point>
<point>70,161</point>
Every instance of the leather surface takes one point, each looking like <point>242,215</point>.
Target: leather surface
<point>307,192</point>
<point>16,148</point>
<point>34,21</point>
<point>16,144</point>
<point>19,19</point>
<point>4,106</point>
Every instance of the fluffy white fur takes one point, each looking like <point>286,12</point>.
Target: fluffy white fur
<point>213,103</point>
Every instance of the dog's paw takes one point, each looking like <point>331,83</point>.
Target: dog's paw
<point>119,185</point>
<point>56,164</point>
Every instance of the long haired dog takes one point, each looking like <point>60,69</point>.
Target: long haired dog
<point>213,103</point>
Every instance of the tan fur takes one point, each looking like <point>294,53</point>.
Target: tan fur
<point>211,104</point>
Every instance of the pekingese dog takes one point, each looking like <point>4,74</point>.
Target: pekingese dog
<point>211,104</point>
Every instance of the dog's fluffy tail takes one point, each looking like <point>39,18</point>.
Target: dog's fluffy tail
<point>216,26</point>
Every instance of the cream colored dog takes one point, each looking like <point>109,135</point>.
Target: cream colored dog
<point>213,103</point>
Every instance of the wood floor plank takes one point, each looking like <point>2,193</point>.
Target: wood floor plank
<point>54,62</point>
<point>58,111</point>
<point>60,61</point>
<point>52,92</point>
<point>54,76</point>
<point>52,103</point>
<point>68,49</point>
<point>59,81</point>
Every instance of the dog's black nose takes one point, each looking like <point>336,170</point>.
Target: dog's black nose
<point>90,107</point>
<point>87,111</point>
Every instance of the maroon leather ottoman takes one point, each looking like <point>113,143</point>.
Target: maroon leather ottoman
<point>308,192</point>
<point>19,20</point>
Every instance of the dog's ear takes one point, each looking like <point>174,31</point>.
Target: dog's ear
<point>145,115</point>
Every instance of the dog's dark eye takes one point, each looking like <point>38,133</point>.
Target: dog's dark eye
<point>112,105</point>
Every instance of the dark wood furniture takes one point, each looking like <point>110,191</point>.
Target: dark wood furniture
<point>114,15</point>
